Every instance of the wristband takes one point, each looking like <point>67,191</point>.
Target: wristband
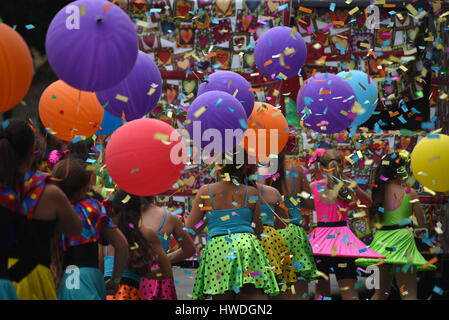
<point>189,231</point>
<point>115,280</point>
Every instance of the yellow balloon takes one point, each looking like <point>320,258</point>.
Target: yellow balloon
<point>430,162</point>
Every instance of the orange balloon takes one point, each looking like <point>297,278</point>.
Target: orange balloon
<point>16,68</point>
<point>256,140</point>
<point>68,112</point>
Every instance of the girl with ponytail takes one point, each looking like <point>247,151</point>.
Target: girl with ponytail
<point>145,249</point>
<point>334,245</point>
<point>394,202</point>
<point>293,185</point>
<point>73,176</point>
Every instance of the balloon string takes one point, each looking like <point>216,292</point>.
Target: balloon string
<point>76,116</point>
<point>106,8</point>
<point>277,216</point>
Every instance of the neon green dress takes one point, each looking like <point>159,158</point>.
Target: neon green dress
<point>395,240</point>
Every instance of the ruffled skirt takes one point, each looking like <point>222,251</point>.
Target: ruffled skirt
<point>399,247</point>
<point>230,261</point>
<point>303,261</point>
<point>278,255</point>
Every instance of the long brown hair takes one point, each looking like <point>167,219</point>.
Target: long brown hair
<point>332,163</point>
<point>127,214</point>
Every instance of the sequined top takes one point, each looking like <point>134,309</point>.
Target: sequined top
<point>94,217</point>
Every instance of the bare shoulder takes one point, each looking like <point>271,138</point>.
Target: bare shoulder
<point>272,194</point>
<point>253,191</point>
<point>53,192</point>
<point>203,190</point>
<point>413,193</point>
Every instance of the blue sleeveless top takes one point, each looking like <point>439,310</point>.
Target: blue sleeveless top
<point>109,266</point>
<point>293,209</point>
<point>265,212</point>
<point>165,242</point>
<point>227,221</point>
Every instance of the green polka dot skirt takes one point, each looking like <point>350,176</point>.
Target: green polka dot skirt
<point>299,245</point>
<point>230,261</point>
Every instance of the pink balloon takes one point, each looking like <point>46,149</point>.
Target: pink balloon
<point>145,157</point>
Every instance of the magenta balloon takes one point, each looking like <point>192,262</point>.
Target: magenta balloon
<point>134,96</point>
<point>325,102</point>
<point>276,41</point>
<point>229,82</point>
<point>220,111</point>
<point>89,48</point>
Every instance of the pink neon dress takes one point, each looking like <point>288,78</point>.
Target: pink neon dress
<point>333,237</point>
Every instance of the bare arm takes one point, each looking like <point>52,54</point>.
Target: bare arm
<point>257,219</point>
<point>304,185</point>
<point>187,248</point>
<point>417,209</point>
<point>159,253</point>
<point>121,250</point>
<point>363,196</point>
<point>195,214</point>
<point>69,222</point>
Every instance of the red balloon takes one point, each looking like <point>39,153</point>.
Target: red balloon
<point>145,157</point>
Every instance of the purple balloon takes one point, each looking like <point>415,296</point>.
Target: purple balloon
<point>91,49</point>
<point>229,82</point>
<point>325,102</point>
<point>142,88</point>
<point>216,110</point>
<point>276,41</point>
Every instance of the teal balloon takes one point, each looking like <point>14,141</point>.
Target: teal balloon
<point>109,124</point>
<point>365,89</point>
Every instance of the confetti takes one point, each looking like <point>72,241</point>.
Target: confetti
<point>121,98</point>
<point>126,199</point>
<point>199,112</point>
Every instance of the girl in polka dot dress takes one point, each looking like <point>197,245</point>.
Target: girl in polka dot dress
<point>145,249</point>
<point>293,185</point>
<point>165,224</point>
<point>233,263</point>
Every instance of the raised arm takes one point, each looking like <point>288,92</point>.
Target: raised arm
<point>69,222</point>
<point>160,255</point>
<point>257,219</point>
<point>417,209</point>
<point>195,214</point>
<point>363,196</point>
<point>187,247</point>
<point>121,250</point>
<point>304,185</point>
